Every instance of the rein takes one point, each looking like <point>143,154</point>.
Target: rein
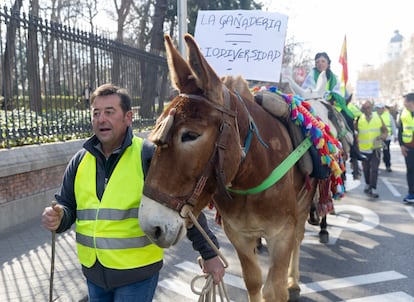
<point>252,129</point>
<point>208,292</point>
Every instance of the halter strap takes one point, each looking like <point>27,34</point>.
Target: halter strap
<point>177,202</point>
<point>225,109</point>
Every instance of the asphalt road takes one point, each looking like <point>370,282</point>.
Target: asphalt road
<point>368,258</point>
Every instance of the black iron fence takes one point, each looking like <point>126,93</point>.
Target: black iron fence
<point>48,71</point>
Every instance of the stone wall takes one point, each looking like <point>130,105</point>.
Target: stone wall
<point>29,178</point>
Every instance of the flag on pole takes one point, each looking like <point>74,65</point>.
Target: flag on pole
<point>343,60</point>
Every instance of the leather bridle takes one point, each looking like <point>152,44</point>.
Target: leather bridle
<point>216,160</point>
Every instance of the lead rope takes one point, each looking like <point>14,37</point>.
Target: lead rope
<point>209,290</point>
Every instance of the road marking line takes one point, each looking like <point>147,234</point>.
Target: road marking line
<point>394,297</point>
<point>341,221</point>
<point>370,219</point>
<point>312,236</point>
<point>349,281</point>
<point>312,287</point>
<point>390,187</point>
<point>410,211</point>
<point>181,288</point>
<point>351,183</point>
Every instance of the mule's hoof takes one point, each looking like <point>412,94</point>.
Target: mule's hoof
<point>294,294</point>
<point>323,236</point>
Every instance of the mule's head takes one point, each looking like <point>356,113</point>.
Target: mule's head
<point>198,146</point>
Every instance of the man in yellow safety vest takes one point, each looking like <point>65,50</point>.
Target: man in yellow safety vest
<point>101,193</point>
<point>371,134</point>
<point>406,141</point>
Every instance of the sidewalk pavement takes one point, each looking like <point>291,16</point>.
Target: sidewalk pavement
<point>25,259</point>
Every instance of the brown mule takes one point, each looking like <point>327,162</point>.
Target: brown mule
<point>203,153</point>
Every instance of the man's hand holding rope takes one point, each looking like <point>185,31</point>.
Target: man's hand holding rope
<point>214,267</point>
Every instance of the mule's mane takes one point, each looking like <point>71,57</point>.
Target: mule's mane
<point>239,85</point>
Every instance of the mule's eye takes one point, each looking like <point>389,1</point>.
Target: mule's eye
<point>189,136</point>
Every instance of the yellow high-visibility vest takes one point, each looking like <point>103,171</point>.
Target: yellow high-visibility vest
<point>368,131</point>
<point>408,126</point>
<point>108,229</point>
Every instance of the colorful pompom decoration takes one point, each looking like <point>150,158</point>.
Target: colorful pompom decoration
<point>329,148</point>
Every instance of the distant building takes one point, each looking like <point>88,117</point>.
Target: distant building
<point>407,72</point>
<point>395,46</point>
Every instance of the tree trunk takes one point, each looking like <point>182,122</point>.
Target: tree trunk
<point>122,13</point>
<point>9,55</point>
<point>33,75</point>
<point>149,89</point>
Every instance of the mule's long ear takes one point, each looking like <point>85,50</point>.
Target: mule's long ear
<point>204,74</point>
<point>179,69</point>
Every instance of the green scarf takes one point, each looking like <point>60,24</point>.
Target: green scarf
<point>335,98</point>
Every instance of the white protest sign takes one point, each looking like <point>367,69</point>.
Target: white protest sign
<point>243,42</point>
<point>367,89</point>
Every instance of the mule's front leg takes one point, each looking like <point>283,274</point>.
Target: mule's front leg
<point>293,279</point>
<point>252,275</point>
<point>280,249</point>
<point>293,273</point>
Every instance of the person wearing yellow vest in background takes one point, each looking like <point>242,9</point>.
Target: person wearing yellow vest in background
<point>406,141</point>
<point>389,122</point>
<point>371,135</point>
<point>101,192</point>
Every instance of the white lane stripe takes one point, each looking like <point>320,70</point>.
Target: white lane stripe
<point>182,288</point>
<point>349,281</point>
<point>369,218</point>
<point>390,187</point>
<point>340,222</point>
<point>313,287</point>
<point>178,286</point>
<point>410,211</point>
<point>312,235</point>
<point>394,297</point>
<point>350,183</point>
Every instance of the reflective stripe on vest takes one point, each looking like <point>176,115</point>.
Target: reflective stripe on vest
<point>408,126</point>
<point>107,214</point>
<point>112,243</point>
<point>368,131</point>
<point>108,229</point>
